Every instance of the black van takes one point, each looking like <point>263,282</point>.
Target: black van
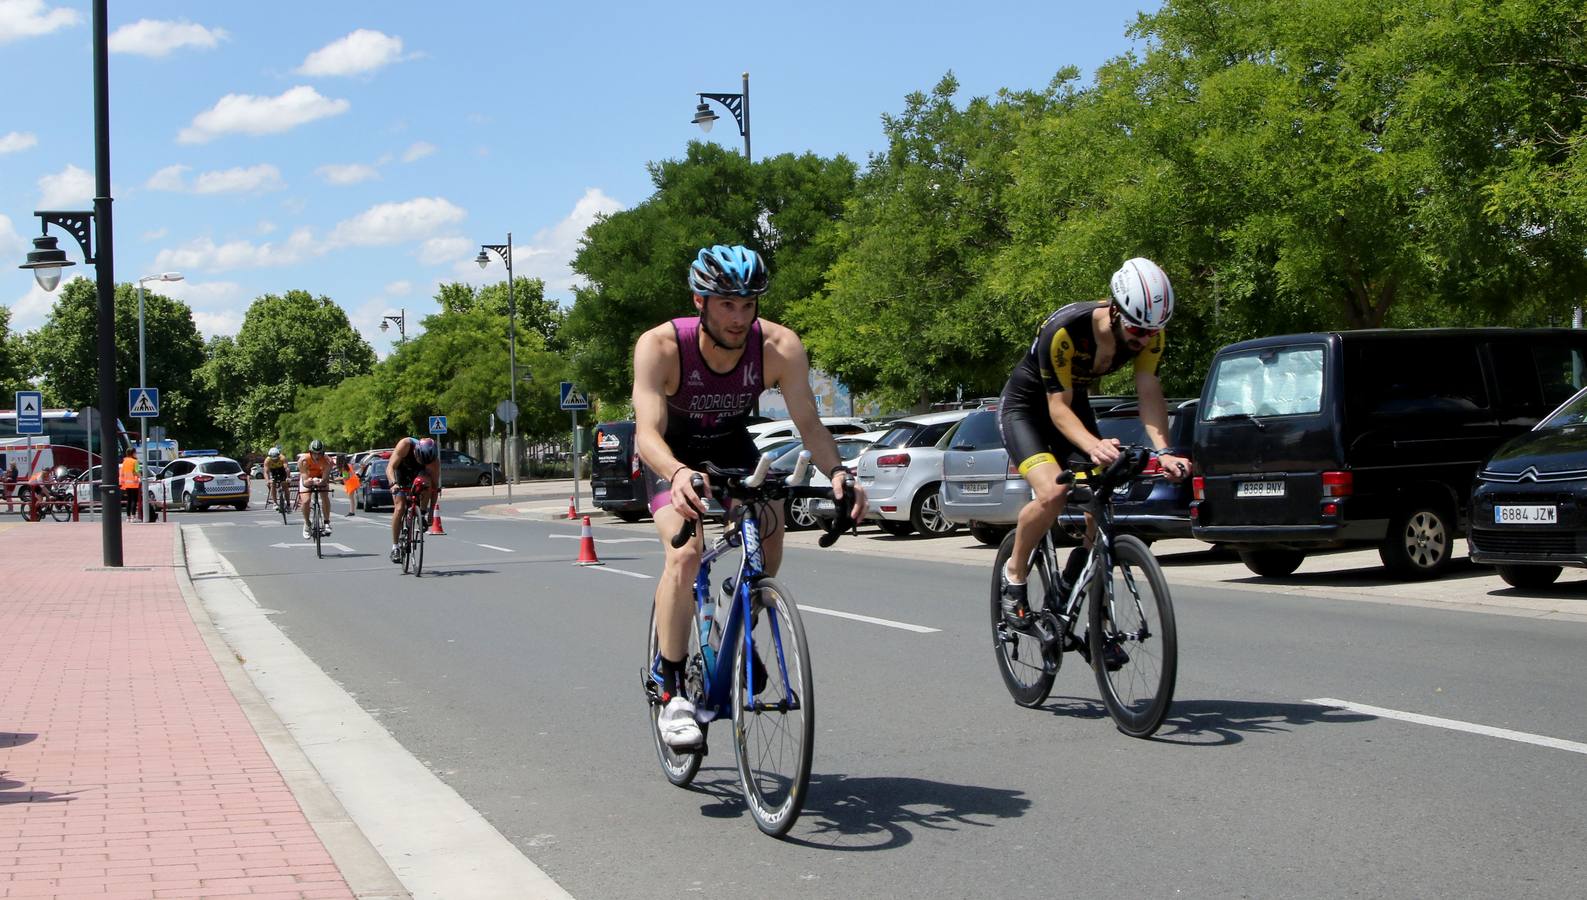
<point>1313,441</point>
<point>615,480</point>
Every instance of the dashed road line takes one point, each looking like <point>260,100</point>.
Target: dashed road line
<point>616,571</point>
<point>889,623</point>
<point>1453,724</point>
<point>494,547</point>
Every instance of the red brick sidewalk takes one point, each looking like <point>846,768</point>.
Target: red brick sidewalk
<point>127,768</point>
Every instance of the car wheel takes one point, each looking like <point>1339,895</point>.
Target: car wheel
<point>798,516</point>
<point>1272,563</point>
<point>1529,577</point>
<point>241,507</point>
<point>188,502</point>
<point>1418,544</point>
<point>926,515</point>
<point>484,480</point>
<point>990,535</point>
<point>896,529</point>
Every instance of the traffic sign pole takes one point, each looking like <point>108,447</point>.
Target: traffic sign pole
<point>575,415</point>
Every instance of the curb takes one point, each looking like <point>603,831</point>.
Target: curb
<point>361,865</point>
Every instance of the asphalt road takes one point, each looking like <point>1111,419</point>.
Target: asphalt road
<point>514,676</point>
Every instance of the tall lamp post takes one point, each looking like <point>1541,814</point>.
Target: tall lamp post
<point>737,104</point>
<point>401,318</point>
<point>143,382</point>
<point>505,252</point>
<point>46,261</point>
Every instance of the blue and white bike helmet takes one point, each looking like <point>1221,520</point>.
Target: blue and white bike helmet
<point>723,271</point>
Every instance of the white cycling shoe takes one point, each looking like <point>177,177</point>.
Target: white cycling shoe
<point>677,724</point>
<point>306,535</point>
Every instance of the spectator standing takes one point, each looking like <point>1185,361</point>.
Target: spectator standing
<point>8,484</point>
<point>350,485</point>
<point>131,483</point>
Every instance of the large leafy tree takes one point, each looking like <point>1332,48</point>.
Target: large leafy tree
<point>65,350</point>
<point>286,341</point>
<point>15,365</point>
<point>636,261</point>
<point>536,312</point>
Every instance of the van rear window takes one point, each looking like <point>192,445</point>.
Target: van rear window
<point>1283,381</point>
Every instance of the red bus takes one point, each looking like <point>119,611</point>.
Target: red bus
<point>63,443</point>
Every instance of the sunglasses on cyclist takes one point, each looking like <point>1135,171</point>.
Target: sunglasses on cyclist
<point>1139,333</point>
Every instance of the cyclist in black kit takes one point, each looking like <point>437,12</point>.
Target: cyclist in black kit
<point>1045,414</point>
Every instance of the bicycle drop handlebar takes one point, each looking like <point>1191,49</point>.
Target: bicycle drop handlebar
<point>753,487</point>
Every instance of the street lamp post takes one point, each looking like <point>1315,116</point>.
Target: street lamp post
<point>737,104</point>
<point>505,252</point>
<point>143,382</point>
<point>401,318</point>
<point>46,262</point>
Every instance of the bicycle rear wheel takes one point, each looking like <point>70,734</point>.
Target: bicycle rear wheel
<point>281,502</point>
<point>774,724</point>
<point>679,767</point>
<point>60,510</point>
<point>418,547</point>
<point>1136,616</point>
<point>1028,668</point>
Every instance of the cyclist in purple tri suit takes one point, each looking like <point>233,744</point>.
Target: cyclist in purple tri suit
<point>695,383</point>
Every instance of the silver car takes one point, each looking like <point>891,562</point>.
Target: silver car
<point>902,471</point>
<point>980,487</point>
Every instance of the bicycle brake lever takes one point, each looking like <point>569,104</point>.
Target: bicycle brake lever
<point>686,533</point>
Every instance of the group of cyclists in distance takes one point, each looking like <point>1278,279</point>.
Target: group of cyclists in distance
<point>411,458</point>
<point>696,379</point>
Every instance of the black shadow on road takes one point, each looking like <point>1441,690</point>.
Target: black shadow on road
<point>7,785</point>
<point>1221,723</point>
<point>850,814</point>
<point>450,573</point>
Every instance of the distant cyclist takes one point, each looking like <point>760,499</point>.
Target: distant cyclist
<point>314,470</point>
<point>1045,412</point>
<point>411,458</point>
<point>696,378</point>
<point>275,469</point>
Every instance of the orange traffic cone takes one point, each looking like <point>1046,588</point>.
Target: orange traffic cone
<point>573,512</point>
<point>587,555</point>
<point>435,518</point>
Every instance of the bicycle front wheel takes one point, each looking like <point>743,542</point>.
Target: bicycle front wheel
<point>679,767</point>
<point>60,511</point>
<point>405,538</point>
<point>774,725</point>
<point>418,548</point>
<point>1027,668</point>
<point>281,503</point>
<point>316,524</point>
<point>1133,642</point>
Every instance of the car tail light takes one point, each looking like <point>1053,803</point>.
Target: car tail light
<point>1013,470</point>
<point>1198,488</point>
<point>1330,509</point>
<point>892,461</point>
<point>1153,467</point>
<point>633,467</point>
<point>1337,484</point>
<point>203,478</point>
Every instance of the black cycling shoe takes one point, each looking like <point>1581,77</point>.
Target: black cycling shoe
<point>1016,612</point>
<point>1114,656</point>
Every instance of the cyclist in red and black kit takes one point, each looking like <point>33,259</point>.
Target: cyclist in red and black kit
<point>696,380</point>
<point>409,459</point>
<point>1045,412</point>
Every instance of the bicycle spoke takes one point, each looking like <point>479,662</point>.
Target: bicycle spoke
<point>774,726</point>
<point>1134,643</point>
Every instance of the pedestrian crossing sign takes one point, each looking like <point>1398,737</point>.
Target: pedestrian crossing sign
<point>573,398</point>
<point>144,403</point>
<point>438,424</point>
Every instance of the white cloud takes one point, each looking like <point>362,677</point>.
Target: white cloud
<point>169,178</point>
<point>396,288</point>
<point>247,114</point>
<point>209,295</point>
<point>550,252</point>
<point>346,173</point>
<point>156,234</point>
<point>204,254</point>
<point>17,141</point>
<point>152,37</point>
<point>438,250</point>
<point>394,223</point>
<point>251,180</point>
<point>65,189</point>
<point>265,226</point>
<point>210,324</point>
<point>31,309</point>
<point>362,51</point>
<point>13,245</point>
<point>28,18</point>
<point>417,151</point>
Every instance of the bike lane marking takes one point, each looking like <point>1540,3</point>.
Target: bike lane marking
<point>1453,724</point>
<point>494,547</point>
<point>615,571</point>
<point>905,626</point>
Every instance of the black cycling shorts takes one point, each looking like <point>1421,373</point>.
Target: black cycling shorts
<point>277,474</point>
<point>1027,427</point>
<point>736,451</point>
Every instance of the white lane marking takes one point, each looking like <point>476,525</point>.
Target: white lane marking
<point>905,626</point>
<point>494,547</point>
<point>616,571</point>
<point>574,537</point>
<point>1453,724</point>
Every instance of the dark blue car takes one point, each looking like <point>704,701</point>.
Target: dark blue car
<point>1152,508</point>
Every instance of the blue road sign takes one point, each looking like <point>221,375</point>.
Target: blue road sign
<point>438,424</point>
<point>573,398</point>
<point>144,403</point>
<point>30,412</point>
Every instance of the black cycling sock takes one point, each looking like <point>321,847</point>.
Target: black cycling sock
<point>1075,563</point>
<point>672,676</point>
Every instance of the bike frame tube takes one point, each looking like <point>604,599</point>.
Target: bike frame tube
<point>718,677</point>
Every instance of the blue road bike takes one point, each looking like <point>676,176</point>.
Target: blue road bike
<point>748,658</point>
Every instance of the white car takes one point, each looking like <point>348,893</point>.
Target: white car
<point>766,434</point>
<point>799,514</point>
<point>199,482</point>
<point>902,472</point>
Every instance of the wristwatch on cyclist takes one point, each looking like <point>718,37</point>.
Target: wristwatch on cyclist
<point>832,473</point>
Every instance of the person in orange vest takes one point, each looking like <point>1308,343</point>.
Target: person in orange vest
<point>131,484</point>
<point>350,484</point>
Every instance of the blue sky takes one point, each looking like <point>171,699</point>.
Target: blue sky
<point>364,151</point>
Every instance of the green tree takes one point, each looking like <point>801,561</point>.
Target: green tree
<point>65,350</point>
<point>536,312</point>
<point>15,360</point>
<point>286,341</point>
<point>636,261</point>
